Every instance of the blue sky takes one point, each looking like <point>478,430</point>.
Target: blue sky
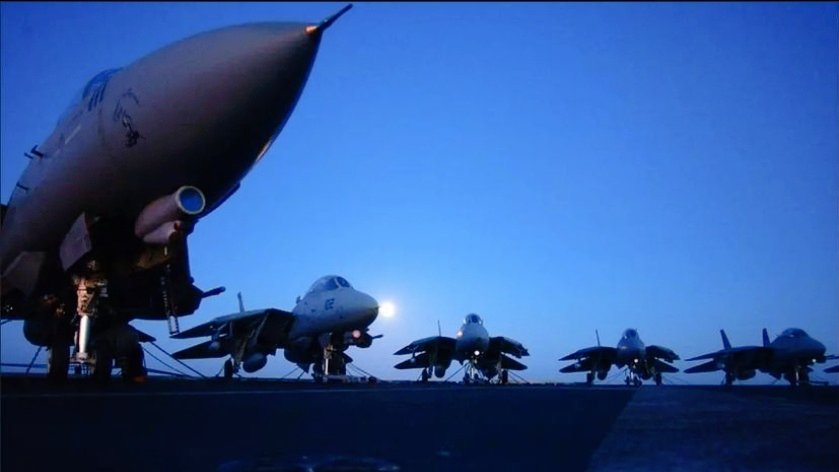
<point>555,168</point>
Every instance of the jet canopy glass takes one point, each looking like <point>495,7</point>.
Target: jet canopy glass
<point>794,333</point>
<point>473,318</point>
<point>630,333</point>
<point>329,282</point>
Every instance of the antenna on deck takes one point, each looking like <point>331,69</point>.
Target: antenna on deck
<point>598,337</point>
<point>241,303</point>
<point>439,331</point>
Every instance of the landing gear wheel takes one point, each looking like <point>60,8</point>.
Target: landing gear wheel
<point>505,377</point>
<point>729,379</point>
<point>58,361</point>
<point>103,365</point>
<point>658,378</point>
<point>803,377</point>
<point>589,378</point>
<point>133,370</point>
<point>425,375</point>
<point>466,379</point>
<point>228,369</point>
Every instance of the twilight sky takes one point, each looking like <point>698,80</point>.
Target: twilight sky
<point>556,168</point>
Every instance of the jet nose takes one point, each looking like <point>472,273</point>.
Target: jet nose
<point>365,308</point>
<point>209,106</point>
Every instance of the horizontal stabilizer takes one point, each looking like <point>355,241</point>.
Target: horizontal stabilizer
<point>709,366</point>
<point>417,362</point>
<point>203,351</point>
<point>832,370</point>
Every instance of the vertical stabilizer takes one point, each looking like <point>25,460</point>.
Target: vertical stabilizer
<point>765,338</point>
<point>725,343</point>
<point>241,303</point>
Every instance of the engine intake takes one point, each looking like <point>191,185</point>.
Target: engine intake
<point>161,220</point>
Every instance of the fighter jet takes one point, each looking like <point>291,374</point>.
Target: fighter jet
<point>94,234</point>
<point>740,363</point>
<point>642,362</point>
<point>328,319</point>
<point>789,356</point>
<point>485,357</point>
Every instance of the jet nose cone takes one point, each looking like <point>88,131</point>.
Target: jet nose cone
<point>213,103</point>
<point>365,307</point>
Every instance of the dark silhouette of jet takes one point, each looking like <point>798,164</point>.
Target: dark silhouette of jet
<point>95,232</point>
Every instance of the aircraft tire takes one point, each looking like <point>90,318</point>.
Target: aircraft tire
<point>58,361</point>
<point>658,378</point>
<point>425,375</point>
<point>504,377</point>
<point>589,378</point>
<point>103,365</point>
<point>228,369</point>
<point>133,370</point>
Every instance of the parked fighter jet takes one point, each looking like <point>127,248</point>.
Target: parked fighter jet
<point>790,355</point>
<point>740,363</point>
<point>642,362</point>
<point>328,319</point>
<point>94,233</point>
<point>485,356</point>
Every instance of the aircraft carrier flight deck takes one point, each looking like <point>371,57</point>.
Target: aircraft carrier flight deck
<point>212,425</point>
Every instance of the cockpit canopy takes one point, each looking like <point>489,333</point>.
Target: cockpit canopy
<point>630,334</point>
<point>473,318</point>
<point>794,333</point>
<point>329,282</point>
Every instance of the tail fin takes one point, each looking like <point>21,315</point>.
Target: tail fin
<point>598,337</point>
<point>725,342</point>
<point>241,303</point>
<point>765,338</point>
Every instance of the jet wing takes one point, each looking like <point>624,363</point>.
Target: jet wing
<point>661,353</point>
<point>507,345</point>
<point>709,366</point>
<point>422,360</point>
<point>144,337</point>
<point>509,363</point>
<point>600,352</point>
<point>734,351</point>
<point>584,365</point>
<point>203,350</point>
<point>441,343</point>
<point>224,323</point>
<point>661,366</point>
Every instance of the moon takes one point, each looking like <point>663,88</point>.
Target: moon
<point>387,309</point>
